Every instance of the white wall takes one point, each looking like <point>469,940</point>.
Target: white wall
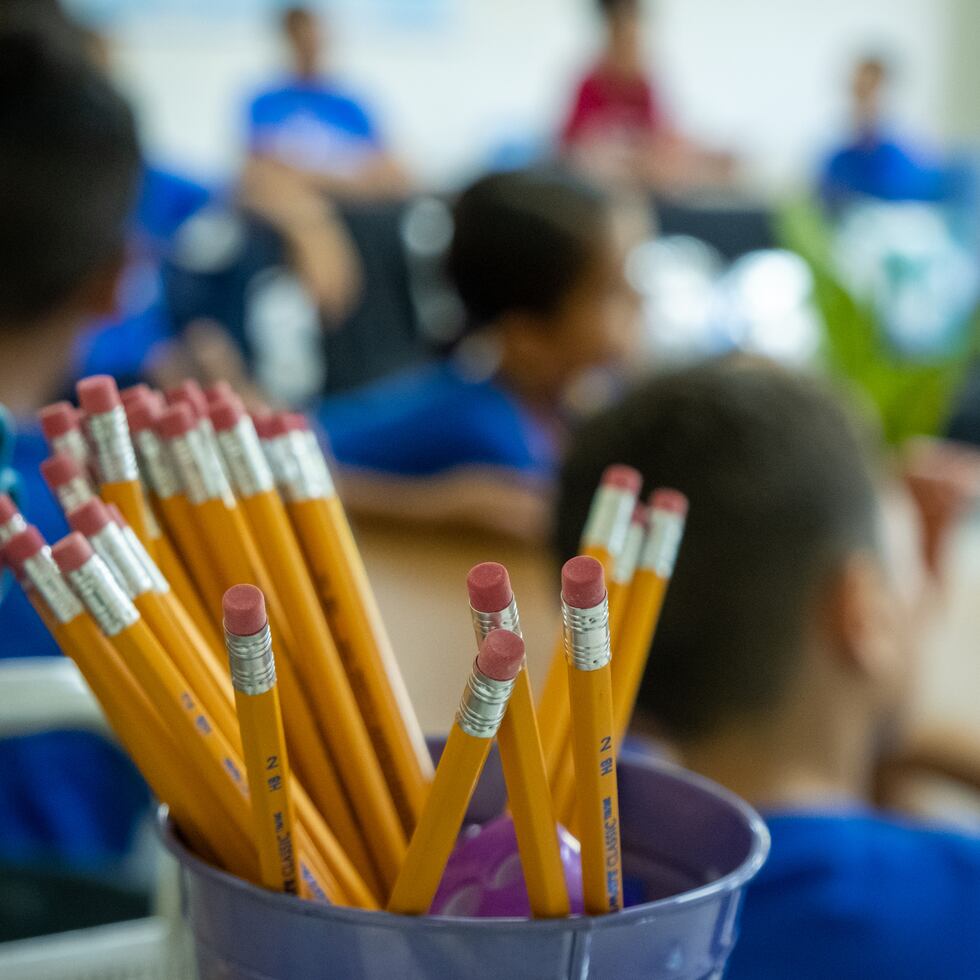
<point>761,76</point>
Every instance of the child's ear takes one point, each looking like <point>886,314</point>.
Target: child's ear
<point>860,618</point>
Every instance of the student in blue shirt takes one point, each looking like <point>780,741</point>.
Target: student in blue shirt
<point>874,164</point>
<point>473,438</point>
<point>69,166</point>
<point>310,123</point>
<point>781,665</point>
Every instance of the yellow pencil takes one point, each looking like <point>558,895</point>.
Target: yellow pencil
<point>493,606</point>
<point>585,616</point>
<point>481,710</point>
<point>253,674</point>
<point>668,511</point>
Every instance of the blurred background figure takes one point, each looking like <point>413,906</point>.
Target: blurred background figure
<point>875,162</point>
<point>618,129</point>
<point>312,124</point>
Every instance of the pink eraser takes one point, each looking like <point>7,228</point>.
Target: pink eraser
<point>58,419</point>
<point>285,422</point>
<point>622,477</point>
<point>189,391</point>
<point>60,469</point>
<point>8,508</point>
<point>501,655</point>
<point>489,587</point>
<point>244,610</point>
<point>582,582</point>
<point>136,391</point>
<point>641,515</point>
<point>143,412</point>
<point>98,394</point>
<point>670,500</point>
<point>117,515</point>
<point>220,389</point>
<point>263,420</point>
<point>176,420</point>
<point>89,518</point>
<point>226,412</point>
<point>71,552</point>
<point>23,545</point>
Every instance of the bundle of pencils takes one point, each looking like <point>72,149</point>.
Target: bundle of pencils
<point>213,597</point>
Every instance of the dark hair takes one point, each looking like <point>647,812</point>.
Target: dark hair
<point>522,241</point>
<point>69,162</point>
<point>610,8</point>
<point>780,492</point>
<point>291,16</point>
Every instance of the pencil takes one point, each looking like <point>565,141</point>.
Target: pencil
<point>318,670</point>
<point>481,709</point>
<point>603,538</point>
<point>354,618</point>
<point>116,460</point>
<point>622,574</point>
<point>67,481</point>
<point>205,746</point>
<point>253,674</point>
<point>668,511</point>
<point>493,606</point>
<point>61,424</point>
<point>585,617</point>
<point>11,520</point>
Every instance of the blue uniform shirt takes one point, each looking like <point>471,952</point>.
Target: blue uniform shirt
<point>432,419</point>
<point>313,125</point>
<point>856,896</point>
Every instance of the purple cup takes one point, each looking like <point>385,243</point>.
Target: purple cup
<point>689,849</point>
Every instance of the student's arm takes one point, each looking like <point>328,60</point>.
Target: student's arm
<point>481,497</point>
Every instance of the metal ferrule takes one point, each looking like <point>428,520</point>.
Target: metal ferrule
<point>609,519</point>
<point>103,596</point>
<point>74,493</point>
<point>111,546</point>
<point>155,465</point>
<point>43,573</point>
<point>200,469</point>
<point>245,462</point>
<point>586,636</point>
<point>485,623</point>
<point>299,468</point>
<point>662,544</point>
<point>158,581</point>
<point>253,667</point>
<point>15,525</point>
<point>73,444</point>
<point>629,557</point>
<point>483,704</point>
<point>113,446</point>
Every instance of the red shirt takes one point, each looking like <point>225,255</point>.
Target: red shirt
<point>609,105</point>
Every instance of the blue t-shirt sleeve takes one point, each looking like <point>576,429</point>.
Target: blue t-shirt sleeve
<point>427,424</point>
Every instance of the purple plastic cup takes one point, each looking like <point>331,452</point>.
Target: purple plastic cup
<point>689,849</point>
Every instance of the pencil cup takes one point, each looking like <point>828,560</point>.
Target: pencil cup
<point>689,849</point>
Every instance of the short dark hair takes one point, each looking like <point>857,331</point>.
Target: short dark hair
<point>610,8</point>
<point>291,16</point>
<point>780,491</point>
<point>522,240</point>
<point>69,163</point>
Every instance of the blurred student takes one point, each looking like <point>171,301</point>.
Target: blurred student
<point>874,162</point>
<point>782,665</point>
<point>618,129</point>
<point>69,168</point>
<point>536,262</point>
<point>310,122</point>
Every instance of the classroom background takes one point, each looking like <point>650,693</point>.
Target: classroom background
<point>385,213</point>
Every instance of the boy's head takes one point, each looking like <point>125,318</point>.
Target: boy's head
<point>871,75</point>
<point>69,165</point>
<point>624,24</point>
<point>303,33</point>
<point>535,256</point>
<point>779,588</point>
